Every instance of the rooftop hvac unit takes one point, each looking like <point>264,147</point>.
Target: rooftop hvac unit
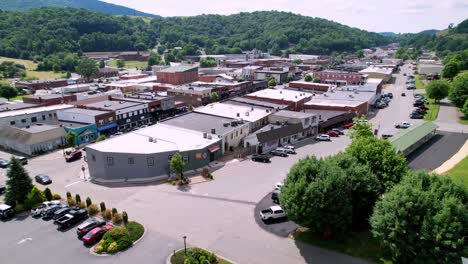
<point>246,113</point>
<point>226,124</point>
<point>205,135</point>
<point>150,139</point>
<point>209,137</point>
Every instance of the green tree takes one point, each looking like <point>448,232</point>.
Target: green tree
<point>272,82</point>
<point>361,129</point>
<point>34,198</point>
<point>101,138</point>
<point>423,219</point>
<point>177,165</point>
<point>308,78</point>
<point>316,80</point>
<point>276,51</point>
<point>208,62</point>
<point>70,138</point>
<point>380,156</point>
<point>48,194</point>
<point>120,63</point>
<point>458,92</point>
<point>140,46</point>
<point>214,97</point>
<point>169,57</point>
<point>437,89</point>
<point>18,184</point>
<point>316,195</point>
<point>68,75</point>
<point>87,68</point>
<point>360,54</point>
<point>154,60</point>
<point>450,70</point>
<point>465,109</point>
<point>7,91</point>
<point>102,64</point>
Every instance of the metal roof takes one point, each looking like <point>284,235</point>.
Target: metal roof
<point>410,136</point>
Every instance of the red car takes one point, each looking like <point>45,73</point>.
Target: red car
<point>75,155</point>
<point>348,125</point>
<point>332,133</point>
<point>96,234</point>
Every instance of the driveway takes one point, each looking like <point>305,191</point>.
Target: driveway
<point>448,117</point>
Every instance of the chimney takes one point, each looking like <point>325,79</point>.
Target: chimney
<point>205,135</point>
<point>238,115</point>
<point>213,131</point>
<point>271,128</point>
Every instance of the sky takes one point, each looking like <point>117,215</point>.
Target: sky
<point>399,16</point>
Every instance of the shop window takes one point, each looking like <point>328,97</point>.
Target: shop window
<point>12,123</point>
<point>110,161</point>
<point>33,119</point>
<point>131,161</point>
<point>93,158</point>
<point>43,117</point>
<point>150,161</point>
<point>23,120</point>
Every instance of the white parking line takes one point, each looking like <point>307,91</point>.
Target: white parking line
<point>24,240</point>
<point>73,183</point>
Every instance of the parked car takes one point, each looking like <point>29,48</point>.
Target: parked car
<point>49,212</point>
<point>278,152</point>
<point>403,94</point>
<point>43,179</point>
<point>61,212</point>
<point>22,160</point>
<point>261,157</point>
<point>75,155</point>
<point>286,150</point>
<point>363,121</point>
<point>348,125</point>
<point>339,131</point>
<point>385,136</point>
<point>36,212</point>
<point>278,185</point>
<point>275,195</point>
<point>404,74</point>
<point>87,226</point>
<point>71,218</point>
<point>420,111</point>
<point>410,87</point>
<point>289,147</point>
<point>96,234</point>
<point>4,163</point>
<point>274,212</point>
<point>323,137</point>
<point>6,211</point>
<point>380,105</point>
<point>403,125</point>
<point>416,116</point>
<point>332,133</point>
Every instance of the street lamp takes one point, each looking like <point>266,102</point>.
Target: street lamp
<point>185,245</point>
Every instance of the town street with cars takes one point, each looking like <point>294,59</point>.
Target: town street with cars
<point>218,215</point>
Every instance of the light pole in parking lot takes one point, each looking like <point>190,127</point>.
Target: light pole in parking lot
<point>185,245</point>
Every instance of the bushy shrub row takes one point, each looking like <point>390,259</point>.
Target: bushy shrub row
<point>116,239</point>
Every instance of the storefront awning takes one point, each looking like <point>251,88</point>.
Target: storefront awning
<point>107,127</point>
<point>213,148</point>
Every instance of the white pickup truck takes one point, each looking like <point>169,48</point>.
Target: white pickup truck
<point>403,125</point>
<point>274,212</point>
<point>35,212</point>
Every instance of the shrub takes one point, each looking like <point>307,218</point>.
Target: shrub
<point>93,209</point>
<point>113,247</point>
<point>118,235</point>
<point>103,206</point>
<point>71,202</point>
<point>48,194</point>
<point>81,205</point>
<point>101,138</point>
<point>99,249</point>
<point>135,230</point>
<point>107,214</point>
<point>125,217</point>
<point>68,195</point>
<point>117,219</point>
<point>56,196</point>
<point>114,211</point>
<point>19,208</point>
<point>77,198</point>
<point>34,198</point>
<point>198,255</point>
<point>88,201</point>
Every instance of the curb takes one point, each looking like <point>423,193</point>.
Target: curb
<point>92,252</point>
<point>168,259</point>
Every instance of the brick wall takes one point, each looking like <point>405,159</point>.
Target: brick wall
<point>177,77</point>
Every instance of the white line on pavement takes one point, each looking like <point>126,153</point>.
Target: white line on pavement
<point>24,240</point>
<point>73,183</point>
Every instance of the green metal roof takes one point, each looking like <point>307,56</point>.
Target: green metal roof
<point>410,136</point>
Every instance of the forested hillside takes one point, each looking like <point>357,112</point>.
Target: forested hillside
<point>45,31</point>
<point>93,5</point>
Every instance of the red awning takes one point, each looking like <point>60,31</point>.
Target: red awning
<point>213,148</point>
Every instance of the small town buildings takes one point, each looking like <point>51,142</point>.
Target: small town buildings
<point>430,70</point>
<point>358,107</point>
<point>378,73</point>
<point>145,155</point>
<point>159,107</point>
<point>50,99</point>
<point>178,74</point>
<point>340,77</point>
<point>329,119</point>
<point>397,62</point>
<point>294,99</point>
<point>102,122</point>
<point>242,101</point>
<point>33,139</point>
<point>41,84</point>
<point>85,133</point>
<point>308,120</point>
<point>274,135</point>
<point>30,116</point>
<point>158,68</point>
<point>279,74</point>
<point>194,95</point>
<point>73,88</point>
<point>10,106</point>
<point>107,72</point>
<point>310,86</point>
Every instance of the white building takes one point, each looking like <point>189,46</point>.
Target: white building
<point>27,117</point>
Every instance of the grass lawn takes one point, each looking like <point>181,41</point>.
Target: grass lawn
<point>179,258</point>
<point>433,110</point>
<point>419,83</point>
<point>19,97</point>
<point>359,244</point>
<point>460,172</point>
<point>463,121</point>
<point>30,69</point>
<point>130,64</point>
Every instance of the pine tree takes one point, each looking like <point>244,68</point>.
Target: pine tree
<point>18,184</point>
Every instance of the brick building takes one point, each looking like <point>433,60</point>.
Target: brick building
<point>310,86</point>
<point>178,75</point>
<point>340,77</point>
<point>50,99</point>
<point>295,100</point>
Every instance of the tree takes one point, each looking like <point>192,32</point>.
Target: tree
<point>214,97</point>
<point>208,62</point>
<point>276,51</point>
<point>437,89</point>
<point>87,68</point>
<point>423,219</point>
<point>18,184</point>
<point>459,89</point>
<point>177,165</point>
<point>68,75</point>
<point>169,57</point>
<point>272,82</point>
<point>381,157</point>
<point>7,91</point>
<point>450,70</point>
<point>465,109</point>
<point>154,60</point>
<point>34,198</point>
<point>360,128</point>
<point>101,138</point>
<point>88,201</point>
<point>308,78</point>
<point>316,195</point>
<point>316,80</point>
<point>48,194</point>
<point>102,64</point>
<point>120,63</point>
<point>70,138</point>
<point>77,198</point>
<point>360,54</point>
<point>140,46</point>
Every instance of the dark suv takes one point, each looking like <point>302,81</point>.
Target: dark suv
<point>261,157</point>
<point>49,213</point>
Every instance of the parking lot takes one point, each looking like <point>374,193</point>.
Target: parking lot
<point>219,215</point>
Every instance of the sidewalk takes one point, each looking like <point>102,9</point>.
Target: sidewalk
<point>454,160</point>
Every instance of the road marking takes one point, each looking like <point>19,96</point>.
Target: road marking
<point>24,240</point>
<point>73,183</point>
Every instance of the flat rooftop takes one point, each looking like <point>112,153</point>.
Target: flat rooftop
<point>312,83</point>
<point>324,115</point>
<point>37,128</point>
<point>339,103</point>
<point>165,138</point>
<point>83,111</point>
<point>15,106</point>
<point>293,114</point>
<point>250,114</point>
<point>180,68</point>
<point>34,110</point>
<point>345,95</point>
<point>202,122</point>
<point>373,69</point>
<point>281,94</point>
<point>252,102</point>
<point>113,105</point>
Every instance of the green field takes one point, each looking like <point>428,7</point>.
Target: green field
<point>419,83</point>
<point>31,67</point>
<point>130,64</point>
<point>460,172</point>
<point>433,110</point>
<point>359,244</point>
<point>19,97</point>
